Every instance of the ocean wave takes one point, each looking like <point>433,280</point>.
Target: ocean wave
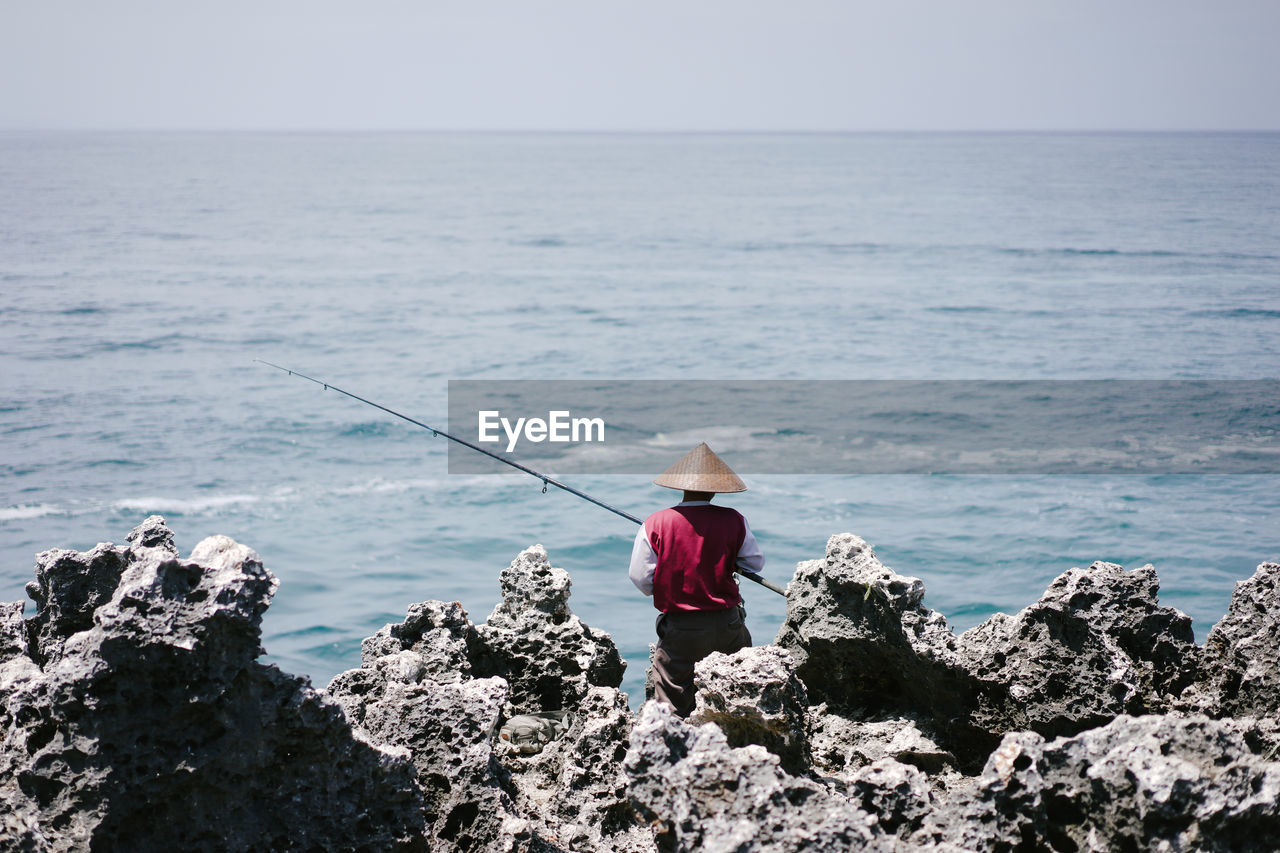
<point>158,342</point>
<point>814,245</point>
<point>379,486</point>
<point>724,438</point>
<point>22,511</point>
<point>1241,313</point>
<point>183,506</point>
<point>1069,251</point>
<point>169,235</point>
<point>542,242</point>
<point>372,429</point>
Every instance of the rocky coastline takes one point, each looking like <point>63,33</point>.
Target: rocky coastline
<point>134,715</point>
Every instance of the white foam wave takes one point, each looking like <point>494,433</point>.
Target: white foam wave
<point>182,506</point>
<point>15,513</point>
<point>737,438</point>
<point>379,486</point>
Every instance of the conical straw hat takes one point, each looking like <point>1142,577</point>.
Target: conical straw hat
<point>700,470</point>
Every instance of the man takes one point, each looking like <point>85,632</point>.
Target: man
<point>684,557</point>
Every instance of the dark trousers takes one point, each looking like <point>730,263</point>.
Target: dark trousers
<point>686,637</point>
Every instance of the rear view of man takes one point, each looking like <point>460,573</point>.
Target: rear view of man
<point>684,557</point>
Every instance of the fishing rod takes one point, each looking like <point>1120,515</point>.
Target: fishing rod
<point>546,481</point>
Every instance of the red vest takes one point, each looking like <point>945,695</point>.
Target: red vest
<point>697,547</point>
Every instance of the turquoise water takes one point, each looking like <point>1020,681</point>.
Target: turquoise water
<point>141,274</point>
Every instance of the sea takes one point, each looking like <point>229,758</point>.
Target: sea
<point>141,275</point>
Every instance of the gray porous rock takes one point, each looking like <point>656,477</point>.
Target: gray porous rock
<point>448,728</point>
<point>703,794</point>
<point>591,800</point>
<point>439,633</point>
<point>754,696</point>
<point>898,795</point>
<point>16,666</point>
<point>867,647</point>
<point>1152,783</point>
<point>1003,812</point>
<point>549,656</point>
<point>19,833</point>
<point>151,726</point>
<point>68,589</point>
<point>842,746</point>
<point>1096,645</point>
<point>1240,664</point>
<point>134,715</point>
<point>70,586</point>
<point>575,786</point>
<point>409,702</point>
<point>153,533</point>
<point>438,688</point>
<point>13,632</point>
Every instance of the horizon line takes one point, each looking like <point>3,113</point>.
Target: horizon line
<point>635,131</point>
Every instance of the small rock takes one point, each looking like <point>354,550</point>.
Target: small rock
<point>154,533</point>
<point>898,794</point>
<point>754,696</point>
<point>439,633</point>
<point>449,729</point>
<point>68,589</point>
<point>591,789</point>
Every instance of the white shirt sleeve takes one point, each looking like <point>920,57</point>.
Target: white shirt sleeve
<point>750,557</point>
<point>643,561</point>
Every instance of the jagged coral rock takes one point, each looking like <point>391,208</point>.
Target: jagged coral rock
<point>16,666</point>
<point>754,696</point>
<point>152,727</point>
<point>1240,666</point>
<point>134,715</point>
<point>575,785</point>
<point>867,647</point>
<point>897,794</point>
<point>705,794</point>
<point>448,729</point>
<point>438,686</point>
<point>1096,645</point>
<point>1152,783</point>
<point>591,791</point>
<point>549,656</point>
<point>439,633</point>
<point>410,701</point>
<point>70,586</point>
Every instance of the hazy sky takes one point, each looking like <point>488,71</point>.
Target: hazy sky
<point>652,65</point>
